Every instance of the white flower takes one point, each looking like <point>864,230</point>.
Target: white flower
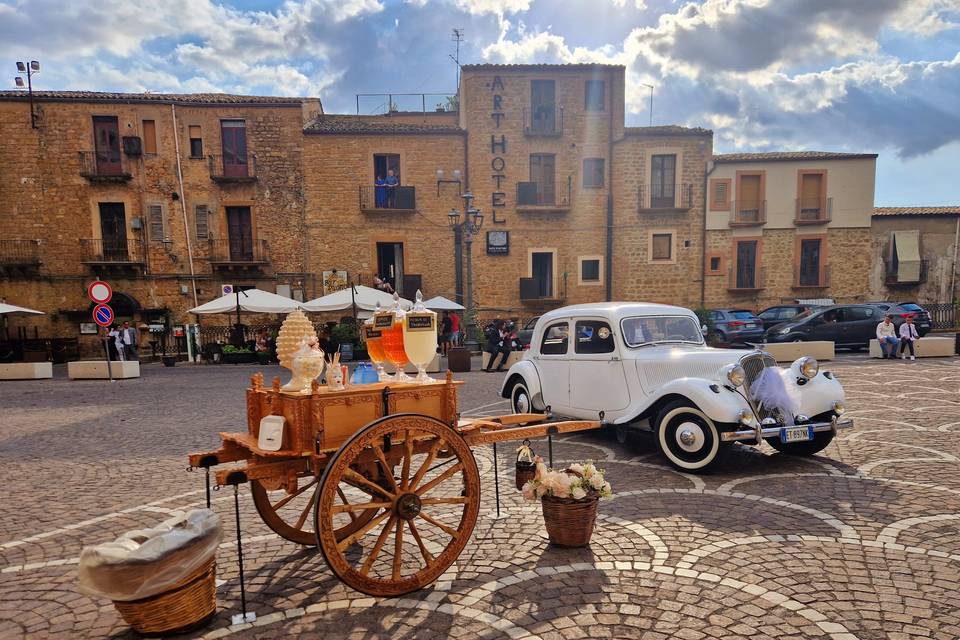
<point>596,481</point>
<point>528,491</point>
<point>576,466</point>
<point>589,470</point>
<point>578,493</point>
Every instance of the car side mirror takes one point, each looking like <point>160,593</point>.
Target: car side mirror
<point>704,329</point>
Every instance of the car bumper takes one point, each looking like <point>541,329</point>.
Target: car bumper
<point>774,432</point>
<point>745,336</point>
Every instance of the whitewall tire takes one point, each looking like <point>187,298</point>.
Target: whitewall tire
<point>687,438</point>
<point>520,399</point>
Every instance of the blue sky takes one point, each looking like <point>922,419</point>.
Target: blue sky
<point>854,75</point>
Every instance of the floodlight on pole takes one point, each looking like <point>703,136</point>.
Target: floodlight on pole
<point>29,70</point>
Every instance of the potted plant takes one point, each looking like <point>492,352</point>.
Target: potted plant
<point>569,500</point>
<point>237,355</point>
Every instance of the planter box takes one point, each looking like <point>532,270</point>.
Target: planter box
<point>515,357</point>
<point>928,347</point>
<point>790,351</point>
<point>238,358</point>
<point>97,369</point>
<point>26,370</point>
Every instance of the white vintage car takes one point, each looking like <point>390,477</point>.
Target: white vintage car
<point>646,366</point>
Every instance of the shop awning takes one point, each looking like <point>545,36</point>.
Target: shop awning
<point>366,299</point>
<point>906,249</point>
<point>439,303</point>
<point>14,310</point>
<point>250,300</point>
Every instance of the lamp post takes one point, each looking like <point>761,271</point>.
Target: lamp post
<point>466,229</point>
<point>28,69</point>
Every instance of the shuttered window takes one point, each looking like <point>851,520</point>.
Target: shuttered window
<point>202,216</point>
<point>149,136</point>
<point>662,246</point>
<point>155,219</point>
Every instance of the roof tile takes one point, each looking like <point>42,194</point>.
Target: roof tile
<point>667,130</point>
<point>194,98</point>
<point>782,156</point>
<point>917,211</point>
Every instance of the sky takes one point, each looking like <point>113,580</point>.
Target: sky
<point>878,76</point>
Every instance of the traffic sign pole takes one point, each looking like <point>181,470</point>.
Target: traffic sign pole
<point>103,315</point>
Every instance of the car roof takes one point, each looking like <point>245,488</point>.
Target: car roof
<point>616,310</point>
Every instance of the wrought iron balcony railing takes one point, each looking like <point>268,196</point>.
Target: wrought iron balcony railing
<point>540,290</point>
<point>15,253</point>
<point>543,120</point>
<point>532,196</point>
<point>225,169</point>
<point>375,199</point>
<point>237,251</point>
<point>820,279</point>
<point>747,281</point>
<point>748,213</point>
<point>664,197</point>
<point>104,166</point>
<point>813,211</point>
<point>120,251</point>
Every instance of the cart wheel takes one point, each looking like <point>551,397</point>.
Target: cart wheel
<point>429,510</point>
<point>287,514</point>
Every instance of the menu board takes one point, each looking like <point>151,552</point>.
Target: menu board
<point>383,321</point>
<point>420,321</point>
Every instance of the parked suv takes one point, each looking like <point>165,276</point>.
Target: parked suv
<point>736,326</point>
<point>779,314</point>
<point>900,310</point>
<point>846,325</point>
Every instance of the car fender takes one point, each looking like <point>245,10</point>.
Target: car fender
<point>721,405</point>
<point>528,371</point>
<point>817,394</point>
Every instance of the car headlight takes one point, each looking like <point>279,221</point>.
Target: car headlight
<point>733,374</point>
<point>805,367</point>
<point>745,417</point>
<point>839,408</point>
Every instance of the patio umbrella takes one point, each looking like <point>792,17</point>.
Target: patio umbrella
<point>251,300</point>
<point>439,303</point>
<point>14,310</point>
<point>359,296</point>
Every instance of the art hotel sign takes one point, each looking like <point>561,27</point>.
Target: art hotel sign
<point>498,145</point>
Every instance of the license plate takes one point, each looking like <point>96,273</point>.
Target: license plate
<point>795,434</point>
<point>751,325</point>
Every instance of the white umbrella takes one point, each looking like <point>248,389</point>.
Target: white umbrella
<point>439,303</point>
<point>365,299</point>
<point>14,310</point>
<point>251,300</point>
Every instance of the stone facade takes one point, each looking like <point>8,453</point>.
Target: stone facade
<point>937,229</point>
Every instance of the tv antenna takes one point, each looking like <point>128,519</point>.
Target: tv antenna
<point>458,38</point>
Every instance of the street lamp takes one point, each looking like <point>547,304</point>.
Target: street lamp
<point>29,70</point>
<point>464,230</point>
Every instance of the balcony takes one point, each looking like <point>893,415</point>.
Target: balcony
<point>531,197</point>
<point>117,254</point>
<point>813,211</point>
<point>747,284</point>
<point>223,172</point>
<point>19,257</point>
<point>748,213</point>
<point>659,198</point>
<point>242,255</point>
<point>534,290</point>
<point>904,274</point>
<point>819,280</point>
<point>545,121</point>
<point>98,166</point>
<point>396,200</point>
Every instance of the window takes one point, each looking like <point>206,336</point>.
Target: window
<point>751,206</point>
<point>811,201</point>
<point>714,264</point>
<point>196,141</point>
<point>593,336</point>
<point>233,144</point>
<point>720,194</point>
<point>639,331</point>
<point>746,269</point>
<point>858,313</point>
<point>543,108</point>
<point>555,339</point>
<point>543,174</point>
<point>589,270</point>
<point>202,222</point>
<point>383,163</point>
<point>155,220</point>
<point>809,263</point>
<point>593,173</point>
<point>149,136</point>
<point>905,264</point>
<point>593,95</point>
<point>661,247</point>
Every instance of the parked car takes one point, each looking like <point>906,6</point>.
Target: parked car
<point>735,326</point>
<point>900,310</point>
<point>772,316</point>
<point>524,334</point>
<point>646,366</point>
<point>849,326</point>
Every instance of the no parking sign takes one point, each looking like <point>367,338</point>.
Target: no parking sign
<point>103,315</point>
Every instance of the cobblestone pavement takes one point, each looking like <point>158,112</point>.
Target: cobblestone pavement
<point>860,542</point>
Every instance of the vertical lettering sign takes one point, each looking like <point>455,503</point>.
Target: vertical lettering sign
<point>498,145</point>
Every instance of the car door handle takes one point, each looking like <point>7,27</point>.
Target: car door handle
<point>615,359</point>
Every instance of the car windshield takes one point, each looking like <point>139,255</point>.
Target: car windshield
<point>659,329</point>
<point>909,306</point>
<point>802,315</point>
<point>742,315</point>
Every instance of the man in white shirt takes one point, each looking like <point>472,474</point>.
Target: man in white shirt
<point>887,335</point>
<point>908,333</point>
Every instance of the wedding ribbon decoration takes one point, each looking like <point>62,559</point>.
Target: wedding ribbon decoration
<point>770,392</point>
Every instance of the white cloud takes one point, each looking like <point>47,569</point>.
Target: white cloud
<point>496,7</point>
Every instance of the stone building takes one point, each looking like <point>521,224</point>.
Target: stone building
<point>777,223</point>
<point>166,196</point>
<point>914,254</point>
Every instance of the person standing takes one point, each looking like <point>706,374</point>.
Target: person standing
<point>446,329</point>
<point>908,333</point>
<point>380,192</point>
<point>392,182</point>
<point>131,342</point>
<point>887,335</point>
<point>454,329</point>
<point>117,345</point>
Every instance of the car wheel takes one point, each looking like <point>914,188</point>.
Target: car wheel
<point>687,438</point>
<point>520,399</point>
<point>798,339</point>
<point>819,443</point>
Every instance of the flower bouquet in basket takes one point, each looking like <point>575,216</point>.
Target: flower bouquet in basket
<point>569,500</point>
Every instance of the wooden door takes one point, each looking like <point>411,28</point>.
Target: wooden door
<point>543,106</point>
<point>106,135</point>
<point>113,231</point>
<point>233,137</point>
<point>240,232</point>
<point>747,264</point>
<point>809,275</point>
<point>662,181</point>
<point>543,173</point>
<point>542,269</point>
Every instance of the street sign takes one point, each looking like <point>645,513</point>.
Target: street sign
<point>100,292</point>
<point>103,315</point>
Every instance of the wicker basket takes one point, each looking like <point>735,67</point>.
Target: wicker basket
<point>182,608</point>
<point>525,472</point>
<point>569,522</point>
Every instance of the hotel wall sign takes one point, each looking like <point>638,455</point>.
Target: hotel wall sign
<point>498,146</point>
<point>498,243</point>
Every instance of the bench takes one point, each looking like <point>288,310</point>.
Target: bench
<point>928,347</point>
<point>26,370</point>
<point>97,369</point>
<point>790,351</point>
<point>515,357</point>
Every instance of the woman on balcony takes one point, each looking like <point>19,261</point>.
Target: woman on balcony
<point>380,192</point>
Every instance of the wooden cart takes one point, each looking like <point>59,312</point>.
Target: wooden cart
<point>393,456</point>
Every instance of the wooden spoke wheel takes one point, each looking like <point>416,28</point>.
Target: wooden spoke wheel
<point>429,510</point>
<point>287,514</point>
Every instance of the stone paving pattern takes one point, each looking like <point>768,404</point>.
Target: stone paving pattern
<point>860,542</point>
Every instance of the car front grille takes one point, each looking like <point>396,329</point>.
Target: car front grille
<point>753,365</point>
